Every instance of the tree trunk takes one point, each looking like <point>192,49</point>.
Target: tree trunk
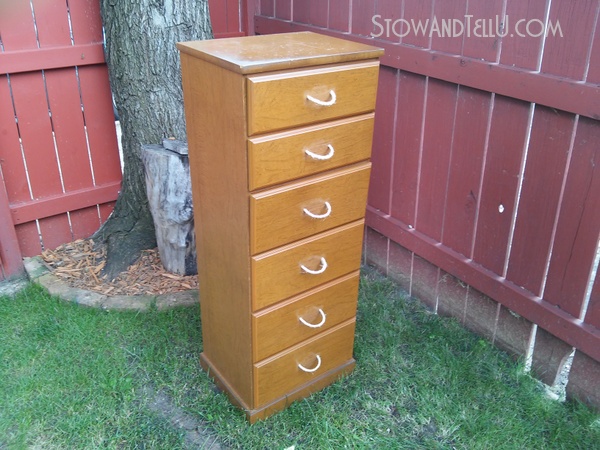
<point>145,78</point>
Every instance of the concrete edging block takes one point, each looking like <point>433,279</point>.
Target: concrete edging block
<point>39,273</point>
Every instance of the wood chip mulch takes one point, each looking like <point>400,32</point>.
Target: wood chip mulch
<point>80,265</point>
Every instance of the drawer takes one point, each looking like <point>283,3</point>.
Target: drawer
<point>281,157</point>
<point>276,376</point>
<point>277,328</point>
<point>298,210</point>
<point>300,97</point>
<point>282,273</point>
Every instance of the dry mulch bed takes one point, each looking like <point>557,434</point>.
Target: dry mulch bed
<point>80,265</point>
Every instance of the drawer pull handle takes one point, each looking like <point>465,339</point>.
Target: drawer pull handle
<point>316,272</point>
<point>318,325</point>
<point>329,154</point>
<point>330,102</point>
<point>301,367</point>
<point>319,216</point>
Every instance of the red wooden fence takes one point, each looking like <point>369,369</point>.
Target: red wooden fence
<point>58,147</point>
<point>59,159</point>
<point>229,18</point>
<point>485,192</point>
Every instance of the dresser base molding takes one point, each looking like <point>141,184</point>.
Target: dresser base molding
<point>282,402</point>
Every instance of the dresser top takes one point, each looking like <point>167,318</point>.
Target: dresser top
<point>264,53</point>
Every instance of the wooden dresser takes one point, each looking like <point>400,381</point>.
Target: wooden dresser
<point>279,132</point>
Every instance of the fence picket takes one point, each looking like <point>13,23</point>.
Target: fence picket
<point>67,121</point>
<point>433,179</point>
<point>577,21</point>
<point>379,192</point>
<point>593,313</point>
<point>31,107</point>
<point>86,21</point>
<point>408,143</point>
<point>18,30</point>
<point>466,165</point>
<point>578,227</point>
<point>517,51</point>
<point>500,182</point>
<point>539,200</point>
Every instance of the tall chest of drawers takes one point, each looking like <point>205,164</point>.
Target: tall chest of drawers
<point>279,133</point>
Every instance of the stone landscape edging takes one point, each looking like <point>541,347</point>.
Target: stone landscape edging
<point>39,273</point>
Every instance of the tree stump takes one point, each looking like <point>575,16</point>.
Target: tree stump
<point>168,186</point>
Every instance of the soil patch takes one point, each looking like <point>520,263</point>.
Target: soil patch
<point>79,264</point>
<point>197,434</point>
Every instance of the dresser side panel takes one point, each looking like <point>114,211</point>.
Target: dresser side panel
<point>214,101</point>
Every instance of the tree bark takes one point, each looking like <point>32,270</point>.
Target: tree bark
<point>145,78</point>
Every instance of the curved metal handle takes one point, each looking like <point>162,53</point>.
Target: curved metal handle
<point>325,157</point>
<point>331,101</point>
<point>316,272</point>
<point>319,216</point>
<point>301,367</point>
<point>318,325</point>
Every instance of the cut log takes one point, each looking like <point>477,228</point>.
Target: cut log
<point>167,173</point>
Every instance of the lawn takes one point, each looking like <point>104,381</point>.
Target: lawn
<point>73,377</point>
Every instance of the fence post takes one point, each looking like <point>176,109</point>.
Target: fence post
<point>10,253</point>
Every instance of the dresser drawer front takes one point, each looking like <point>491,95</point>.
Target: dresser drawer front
<point>301,364</point>
<point>298,210</point>
<point>282,273</point>
<point>301,97</point>
<point>303,317</point>
<point>280,157</point>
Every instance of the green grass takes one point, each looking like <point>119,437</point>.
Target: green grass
<point>72,377</point>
